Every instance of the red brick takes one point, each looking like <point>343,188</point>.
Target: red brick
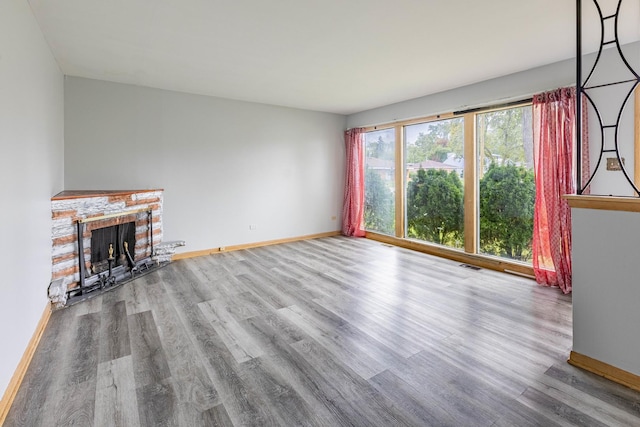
<point>66,272</point>
<point>119,198</point>
<point>110,222</point>
<point>63,214</point>
<point>59,241</point>
<point>73,285</point>
<point>63,258</point>
<point>145,234</point>
<point>142,201</point>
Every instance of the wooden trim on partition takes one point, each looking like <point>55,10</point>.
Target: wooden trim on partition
<point>470,191</point>
<point>611,203</point>
<point>18,375</point>
<point>194,254</point>
<point>456,255</point>
<point>612,373</point>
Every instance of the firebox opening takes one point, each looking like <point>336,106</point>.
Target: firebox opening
<point>114,236</point>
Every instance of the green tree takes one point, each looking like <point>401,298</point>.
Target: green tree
<point>380,149</point>
<point>435,207</point>
<point>504,137</point>
<point>442,137</point>
<point>379,213</point>
<point>507,196</point>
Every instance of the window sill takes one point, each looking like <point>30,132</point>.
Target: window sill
<point>490,263</point>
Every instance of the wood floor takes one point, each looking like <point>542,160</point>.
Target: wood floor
<point>327,332</point>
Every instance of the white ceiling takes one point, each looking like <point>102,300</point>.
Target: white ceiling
<point>340,56</point>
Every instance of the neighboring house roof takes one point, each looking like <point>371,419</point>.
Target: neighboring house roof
<point>453,160</point>
<point>451,164</point>
<point>430,164</point>
<point>375,163</point>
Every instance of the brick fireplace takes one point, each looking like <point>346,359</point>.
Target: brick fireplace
<point>138,212</point>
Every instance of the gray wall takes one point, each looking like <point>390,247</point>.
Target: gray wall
<point>224,165</point>
<point>490,92</point>
<point>31,171</point>
<point>606,292</point>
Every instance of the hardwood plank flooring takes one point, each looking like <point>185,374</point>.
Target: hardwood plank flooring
<point>326,332</point>
<point>116,394</point>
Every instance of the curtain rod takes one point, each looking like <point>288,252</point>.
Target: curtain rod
<point>455,113</point>
<point>494,106</point>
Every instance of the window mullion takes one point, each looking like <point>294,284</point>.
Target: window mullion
<point>400,185</point>
<point>470,185</point>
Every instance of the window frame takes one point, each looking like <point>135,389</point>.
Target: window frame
<point>527,103</point>
<point>404,232</point>
<point>470,251</point>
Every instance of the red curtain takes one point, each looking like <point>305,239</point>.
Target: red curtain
<point>353,209</point>
<point>553,141</point>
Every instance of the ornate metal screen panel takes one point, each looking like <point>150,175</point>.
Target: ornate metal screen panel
<point>609,127</point>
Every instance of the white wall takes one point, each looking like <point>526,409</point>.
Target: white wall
<point>224,165</point>
<point>606,290</point>
<point>31,171</point>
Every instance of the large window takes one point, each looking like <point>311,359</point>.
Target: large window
<point>421,188</point>
<point>379,179</point>
<point>435,192</point>
<point>506,185</point>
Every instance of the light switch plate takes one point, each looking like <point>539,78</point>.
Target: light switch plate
<point>613,164</point>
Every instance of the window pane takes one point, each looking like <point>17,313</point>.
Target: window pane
<point>433,171</point>
<point>380,183</point>
<point>506,184</point>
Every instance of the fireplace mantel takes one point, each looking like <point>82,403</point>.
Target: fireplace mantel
<point>79,194</point>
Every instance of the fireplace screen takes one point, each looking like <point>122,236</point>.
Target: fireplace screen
<point>113,251</point>
<point>112,239</point>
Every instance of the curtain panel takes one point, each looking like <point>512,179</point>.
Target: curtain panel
<point>554,128</point>
<point>353,208</point>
